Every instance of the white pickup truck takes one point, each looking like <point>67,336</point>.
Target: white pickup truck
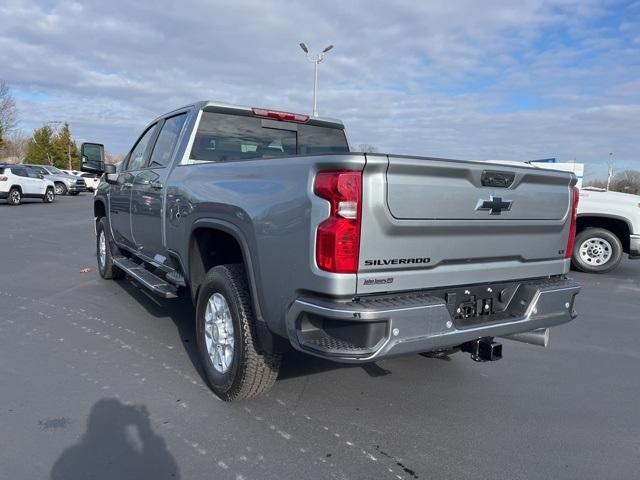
<point>608,226</point>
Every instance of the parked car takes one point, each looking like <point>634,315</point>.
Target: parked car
<point>65,183</point>
<point>284,237</point>
<point>18,182</point>
<point>92,180</point>
<point>608,226</point>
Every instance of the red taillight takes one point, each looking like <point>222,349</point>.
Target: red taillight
<point>277,115</point>
<point>3,178</point>
<point>338,237</point>
<point>575,197</point>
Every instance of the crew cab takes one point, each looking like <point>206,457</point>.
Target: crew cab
<point>283,236</point>
<point>18,182</point>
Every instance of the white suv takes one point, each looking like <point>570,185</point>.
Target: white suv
<point>18,182</point>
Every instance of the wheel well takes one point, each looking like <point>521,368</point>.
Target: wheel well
<point>616,226</point>
<point>98,211</point>
<point>210,247</point>
<point>18,187</point>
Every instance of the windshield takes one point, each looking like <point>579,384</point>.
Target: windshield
<point>222,137</point>
<point>55,171</point>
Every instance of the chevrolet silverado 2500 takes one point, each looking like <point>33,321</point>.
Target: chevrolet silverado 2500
<point>283,236</point>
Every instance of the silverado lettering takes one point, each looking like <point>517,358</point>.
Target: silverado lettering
<point>397,261</point>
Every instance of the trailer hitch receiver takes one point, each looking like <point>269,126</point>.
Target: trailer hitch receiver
<point>483,349</point>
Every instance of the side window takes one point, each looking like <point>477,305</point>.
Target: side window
<point>33,173</point>
<point>19,171</point>
<point>137,157</point>
<point>167,140</point>
<point>41,171</point>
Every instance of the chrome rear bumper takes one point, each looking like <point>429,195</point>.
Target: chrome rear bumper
<point>378,327</point>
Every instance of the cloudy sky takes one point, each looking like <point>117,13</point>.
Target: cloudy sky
<point>470,79</point>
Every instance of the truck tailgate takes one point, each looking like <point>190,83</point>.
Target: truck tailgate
<point>430,222</point>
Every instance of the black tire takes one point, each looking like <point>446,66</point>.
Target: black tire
<point>107,269</point>
<point>61,188</point>
<point>74,193</point>
<point>49,195</point>
<point>250,372</point>
<point>601,251</point>
<point>15,196</point>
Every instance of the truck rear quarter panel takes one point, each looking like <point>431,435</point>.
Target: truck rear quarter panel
<point>270,203</point>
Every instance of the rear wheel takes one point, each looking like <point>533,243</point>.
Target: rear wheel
<point>15,196</point>
<point>61,188</point>
<point>74,193</point>
<point>225,330</point>
<point>104,247</point>
<point>49,195</point>
<point>596,250</point>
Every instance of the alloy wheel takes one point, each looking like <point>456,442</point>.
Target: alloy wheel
<point>218,329</point>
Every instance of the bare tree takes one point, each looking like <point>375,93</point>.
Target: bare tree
<point>8,112</point>
<point>112,157</point>
<point>627,181</point>
<point>14,147</point>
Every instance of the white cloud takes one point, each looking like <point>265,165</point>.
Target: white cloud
<point>432,78</point>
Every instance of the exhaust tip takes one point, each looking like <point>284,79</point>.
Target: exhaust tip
<point>538,337</point>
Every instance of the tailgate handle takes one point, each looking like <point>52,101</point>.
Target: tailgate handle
<point>494,178</point>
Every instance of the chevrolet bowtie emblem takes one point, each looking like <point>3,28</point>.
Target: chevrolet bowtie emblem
<point>495,205</point>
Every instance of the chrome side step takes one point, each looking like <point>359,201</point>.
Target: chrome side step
<point>136,271</point>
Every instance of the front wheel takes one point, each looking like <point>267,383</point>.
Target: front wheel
<point>596,250</point>
<point>225,330</point>
<point>61,188</point>
<point>106,267</point>
<point>49,195</point>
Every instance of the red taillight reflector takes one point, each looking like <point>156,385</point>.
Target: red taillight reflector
<point>338,237</point>
<point>277,115</point>
<point>3,178</point>
<point>575,197</point>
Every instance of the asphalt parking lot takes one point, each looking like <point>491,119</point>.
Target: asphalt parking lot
<point>98,379</point>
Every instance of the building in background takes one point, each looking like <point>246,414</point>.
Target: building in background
<point>552,163</point>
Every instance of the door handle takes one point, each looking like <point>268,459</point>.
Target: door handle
<point>157,185</point>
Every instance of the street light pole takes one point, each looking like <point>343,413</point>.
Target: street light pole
<point>316,60</point>
<point>610,170</point>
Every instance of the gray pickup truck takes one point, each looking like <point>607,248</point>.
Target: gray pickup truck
<point>284,237</point>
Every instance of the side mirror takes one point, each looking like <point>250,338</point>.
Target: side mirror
<point>110,174</point>
<point>92,157</point>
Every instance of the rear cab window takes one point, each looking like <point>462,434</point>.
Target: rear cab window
<point>225,137</point>
<point>167,140</point>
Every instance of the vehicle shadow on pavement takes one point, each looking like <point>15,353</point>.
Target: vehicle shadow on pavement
<point>119,444</point>
<point>181,312</point>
